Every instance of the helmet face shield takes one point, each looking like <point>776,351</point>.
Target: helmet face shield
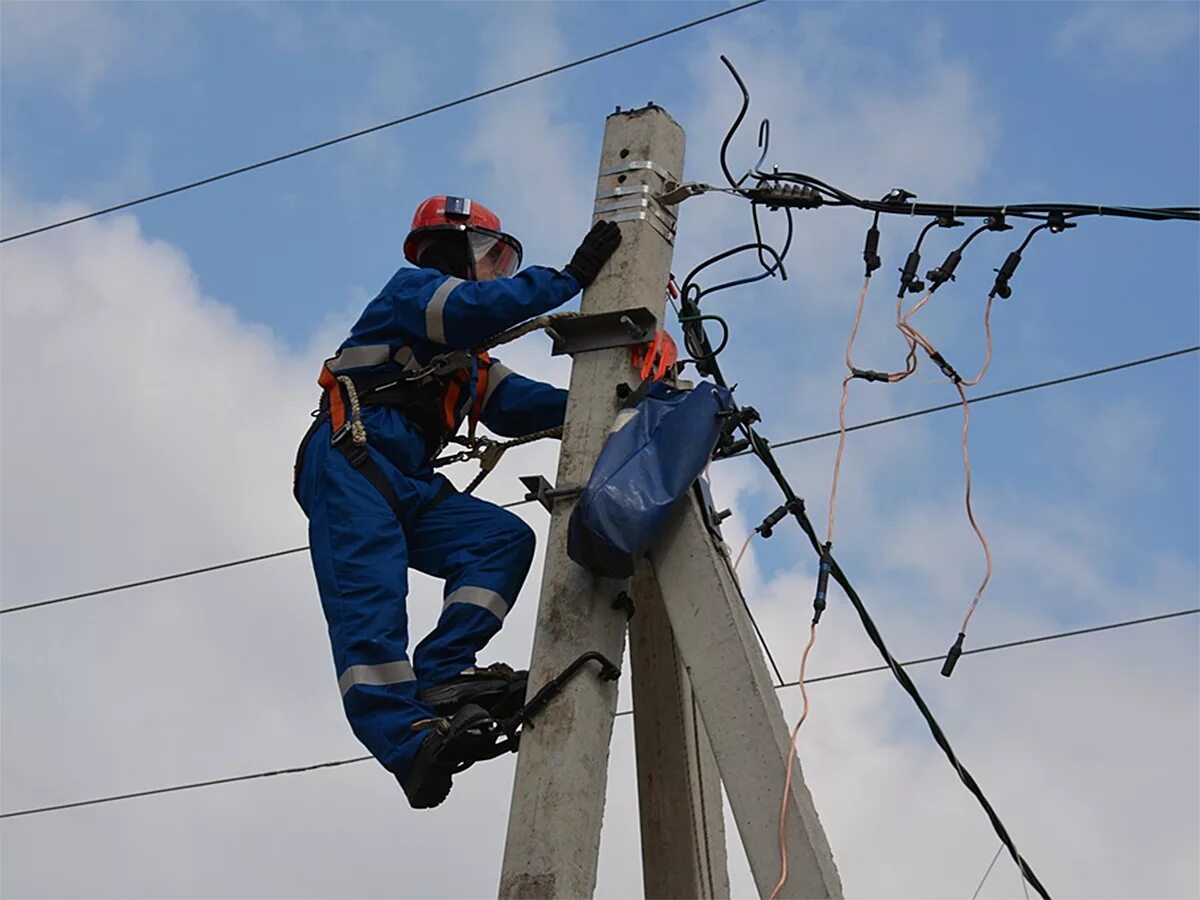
<point>494,254</point>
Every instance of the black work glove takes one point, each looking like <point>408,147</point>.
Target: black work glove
<point>597,246</point>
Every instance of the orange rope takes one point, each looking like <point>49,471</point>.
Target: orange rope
<point>787,781</point>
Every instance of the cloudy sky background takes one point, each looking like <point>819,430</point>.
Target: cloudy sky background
<point>159,366</point>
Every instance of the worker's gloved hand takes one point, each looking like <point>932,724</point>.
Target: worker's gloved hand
<point>598,245</point>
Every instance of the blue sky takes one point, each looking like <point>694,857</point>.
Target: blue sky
<point>148,329</point>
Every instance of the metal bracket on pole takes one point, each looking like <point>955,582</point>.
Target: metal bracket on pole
<point>602,331</point>
<point>545,493</point>
<point>674,194</point>
<point>708,507</point>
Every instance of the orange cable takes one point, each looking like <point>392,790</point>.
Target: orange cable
<point>837,459</point>
<point>787,781</point>
<point>742,552</point>
<point>987,551</point>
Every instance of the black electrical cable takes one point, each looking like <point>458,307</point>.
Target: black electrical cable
<point>788,443</point>
<point>627,712</point>
<point>795,505</point>
<point>763,451</point>
<point>404,119</point>
<point>773,190</point>
<point>161,578</point>
<point>970,210</point>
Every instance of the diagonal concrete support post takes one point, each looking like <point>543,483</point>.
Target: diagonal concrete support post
<point>558,794</point>
<point>749,735</point>
<point>679,789</point>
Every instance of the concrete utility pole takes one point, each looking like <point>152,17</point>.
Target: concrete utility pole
<point>703,701</point>
<point>562,770</point>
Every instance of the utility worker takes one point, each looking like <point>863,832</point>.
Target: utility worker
<point>399,386</point>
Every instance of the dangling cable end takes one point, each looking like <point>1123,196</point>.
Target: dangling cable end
<point>953,655</point>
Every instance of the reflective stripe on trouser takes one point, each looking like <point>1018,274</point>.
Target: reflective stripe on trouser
<point>361,554</point>
<point>484,553</point>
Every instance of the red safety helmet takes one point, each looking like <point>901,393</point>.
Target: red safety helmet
<point>470,232</point>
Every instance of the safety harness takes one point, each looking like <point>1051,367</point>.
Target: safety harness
<point>435,397</point>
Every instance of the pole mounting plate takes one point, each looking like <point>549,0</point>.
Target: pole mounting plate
<point>602,331</point>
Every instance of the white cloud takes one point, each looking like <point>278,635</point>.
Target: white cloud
<point>73,49</point>
<point>535,166</point>
<point>1126,40</point>
<point>71,46</point>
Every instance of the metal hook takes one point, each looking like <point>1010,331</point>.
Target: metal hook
<point>764,141</point>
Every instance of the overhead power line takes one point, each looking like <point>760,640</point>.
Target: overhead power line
<point>815,679</point>
<point>800,440</point>
<point>380,127</point>
<point>982,397</point>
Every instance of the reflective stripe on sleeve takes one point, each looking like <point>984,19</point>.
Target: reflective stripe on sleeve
<point>435,323</point>
<point>385,673</point>
<point>496,374</point>
<point>353,357</point>
<point>476,596</point>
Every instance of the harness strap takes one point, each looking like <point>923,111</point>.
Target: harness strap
<point>360,459</point>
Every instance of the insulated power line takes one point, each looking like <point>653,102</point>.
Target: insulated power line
<point>982,397</point>
<point>380,127</point>
<point>158,580</point>
<point>161,578</point>
<point>817,678</point>
<point>788,443</point>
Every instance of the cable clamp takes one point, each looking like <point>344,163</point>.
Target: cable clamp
<point>869,374</point>
<point>947,369</point>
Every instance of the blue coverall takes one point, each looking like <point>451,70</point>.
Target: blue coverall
<point>361,551</point>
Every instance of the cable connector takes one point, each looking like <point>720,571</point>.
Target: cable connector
<point>945,272</point>
<point>898,197</point>
<point>794,196</point>
<point>953,655</point>
<point>869,375</point>
<point>823,570</point>
<point>871,248</point>
<point>947,369</point>
<point>767,528</point>
<point>1058,223</point>
<point>909,283</point>
<point>1004,273</point>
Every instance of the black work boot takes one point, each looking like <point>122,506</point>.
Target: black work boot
<point>451,746</point>
<point>497,688</point>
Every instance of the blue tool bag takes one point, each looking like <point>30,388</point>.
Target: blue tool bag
<point>659,445</point>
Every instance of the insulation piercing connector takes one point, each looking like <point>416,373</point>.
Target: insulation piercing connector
<point>947,369</point>
<point>897,196</point>
<point>823,570</point>
<point>869,375</point>
<point>953,655</point>
<point>945,272</point>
